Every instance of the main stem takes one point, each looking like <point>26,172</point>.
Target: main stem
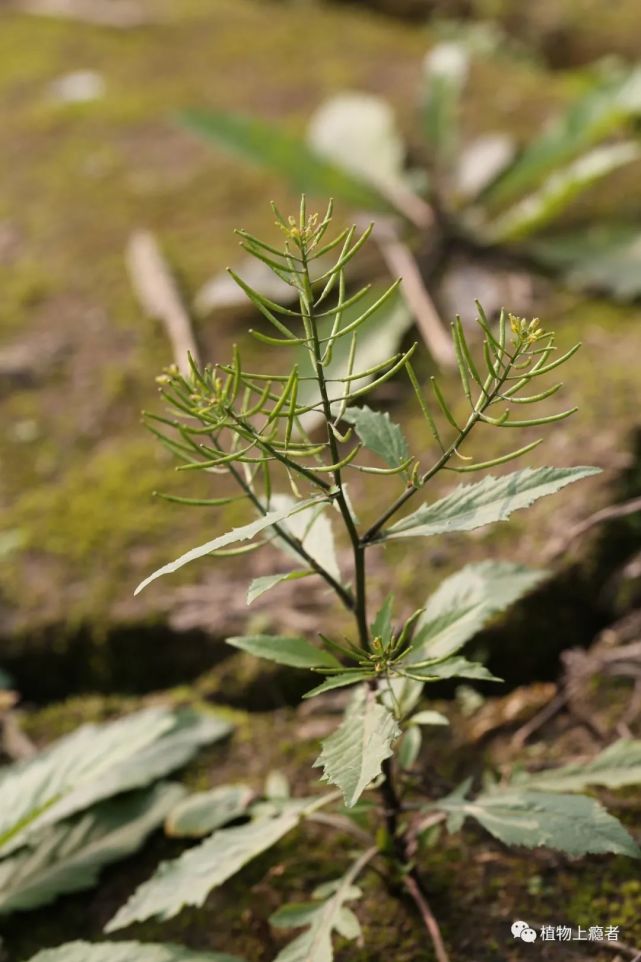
<point>358,549</point>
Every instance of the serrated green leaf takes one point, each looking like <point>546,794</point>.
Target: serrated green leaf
<point>617,766</point>
<point>352,756</point>
<point>570,823</point>
<point>559,190</point>
<point>340,681</point>
<point>379,434</point>
<point>203,812</point>
<point>189,879</point>
<point>463,603</point>
<point>294,652</point>
<point>586,121</point>
<point>493,499</point>
<point>245,533</point>
<point>266,144</point>
<point>69,856</point>
<point>96,762</point>
<point>382,625</point>
<point>259,586</point>
<point>128,952</point>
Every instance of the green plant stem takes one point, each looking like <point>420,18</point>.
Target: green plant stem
<point>296,545</point>
<point>412,880</point>
<point>360,597</point>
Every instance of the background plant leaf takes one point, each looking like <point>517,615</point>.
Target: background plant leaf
<point>189,879</point>
<point>69,856</point>
<point>269,146</point>
<point>617,766</point>
<point>96,762</point>
<point>200,814</point>
<point>128,952</point>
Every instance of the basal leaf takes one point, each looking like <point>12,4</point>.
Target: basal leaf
<point>559,190</point>
<point>493,499</point>
<point>69,856</point>
<point>268,145</point>
<point>358,133</point>
<point>200,814</point>
<point>260,585</point>
<point>379,434</point>
<point>294,652</point>
<point>617,766</point>
<point>445,68</point>
<point>586,121</point>
<point>599,258</point>
<point>570,823</point>
<point>189,879</point>
<point>244,533</point>
<point>351,758</point>
<point>128,952</point>
<point>96,762</point>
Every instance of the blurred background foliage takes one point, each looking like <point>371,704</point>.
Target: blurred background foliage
<point>94,109</point>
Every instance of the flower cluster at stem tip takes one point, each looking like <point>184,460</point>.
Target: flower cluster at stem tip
<point>526,332</point>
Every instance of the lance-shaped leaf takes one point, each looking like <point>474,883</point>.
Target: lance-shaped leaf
<point>493,499</point>
<point>96,762</point>
<point>294,652</point>
<point>445,68</point>
<point>203,812</point>
<point>570,823</point>
<point>464,602</point>
<point>315,945</point>
<point>260,585</point>
<point>128,952</point>
<point>559,190</point>
<point>379,434</point>
<point>189,879</point>
<point>266,144</point>
<point>615,767</point>
<point>69,857</point>
<point>244,533</point>
<point>587,121</point>
<point>352,757</point>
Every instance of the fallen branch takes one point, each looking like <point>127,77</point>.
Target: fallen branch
<point>158,295</point>
<point>401,263</point>
<point>560,544</point>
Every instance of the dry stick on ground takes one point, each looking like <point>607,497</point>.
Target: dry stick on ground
<point>623,510</point>
<point>158,294</point>
<point>401,263</point>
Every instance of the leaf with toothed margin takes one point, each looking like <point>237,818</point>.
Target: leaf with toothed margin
<point>128,952</point>
<point>353,755</point>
